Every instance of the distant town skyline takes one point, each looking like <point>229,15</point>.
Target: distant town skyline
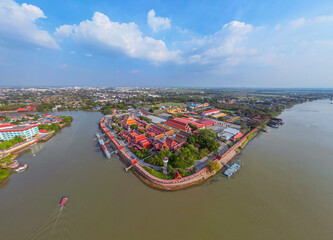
<point>194,43</point>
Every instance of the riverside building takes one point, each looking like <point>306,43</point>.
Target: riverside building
<point>10,131</point>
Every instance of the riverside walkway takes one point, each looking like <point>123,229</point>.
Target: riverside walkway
<point>175,184</point>
<point>23,145</point>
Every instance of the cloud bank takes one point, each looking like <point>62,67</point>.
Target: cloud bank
<point>18,23</point>
<point>126,38</point>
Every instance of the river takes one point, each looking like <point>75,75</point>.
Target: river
<point>283,191</point>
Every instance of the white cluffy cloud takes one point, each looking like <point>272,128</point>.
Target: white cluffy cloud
<point>64,31</point>
<point>157,23</point>
<point>224,45</point>
<point>17,22</point>
<point>126,38</point>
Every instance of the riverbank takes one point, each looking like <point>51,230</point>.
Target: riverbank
<point>177,184</point>
<point>11,162</point>
<point>7,166</point>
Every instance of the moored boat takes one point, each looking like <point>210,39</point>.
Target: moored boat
<point>20,168</point>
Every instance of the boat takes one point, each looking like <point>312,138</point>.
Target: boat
<point>20,168</point>
<point>266,130</point>
<point>63,201</point>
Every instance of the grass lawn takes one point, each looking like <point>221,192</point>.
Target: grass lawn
<point>156,173</point>
<point>227,111</point>
<point>234,118</point>
<point>3,174</point>
<point>187,174</point>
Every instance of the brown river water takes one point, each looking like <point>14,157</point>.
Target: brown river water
<point>283,191</point>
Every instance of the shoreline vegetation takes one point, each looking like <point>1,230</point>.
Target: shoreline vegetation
<point>18,144</point>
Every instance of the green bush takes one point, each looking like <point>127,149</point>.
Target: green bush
<point>9,143</point>
<point>142,154</point>
<point>3,174</point>
<point>148,120</point>
<point>67,119</point>
<point>213,166</point>
<point>51,127</point>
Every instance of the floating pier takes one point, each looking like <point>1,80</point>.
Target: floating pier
<point>231,170</point>
<point>102,144</point>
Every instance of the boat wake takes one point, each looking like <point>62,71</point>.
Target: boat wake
<point>56,226</point>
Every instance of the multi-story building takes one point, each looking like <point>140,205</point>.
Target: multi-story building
<point>10,131</point>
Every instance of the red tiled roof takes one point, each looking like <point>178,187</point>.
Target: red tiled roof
<point>205,122</point>
<point>6,125</point>
<point>238,135</point>
<point>169,141</point>
<point>177,123</point>
<point>140,137</point>
<point>177,175</point>
<point>180,138</point>
<point>14,129</point>
<point>133,134</point>
<point>213,110</point>
<point>186,120</point>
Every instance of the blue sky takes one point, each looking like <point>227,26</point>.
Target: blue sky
<point>166,43</point>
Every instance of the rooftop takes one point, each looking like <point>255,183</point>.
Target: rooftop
<point>210,111</point>
<point>17,128</point>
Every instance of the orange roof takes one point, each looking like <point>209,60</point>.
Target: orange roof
<point>238,135</point>
<point>159,137</point>
<point>170,133</point>
<point>128,120</point>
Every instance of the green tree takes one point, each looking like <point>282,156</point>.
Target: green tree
<point>213,166</point>
<point>67,119</point>
<point>192,126</point>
